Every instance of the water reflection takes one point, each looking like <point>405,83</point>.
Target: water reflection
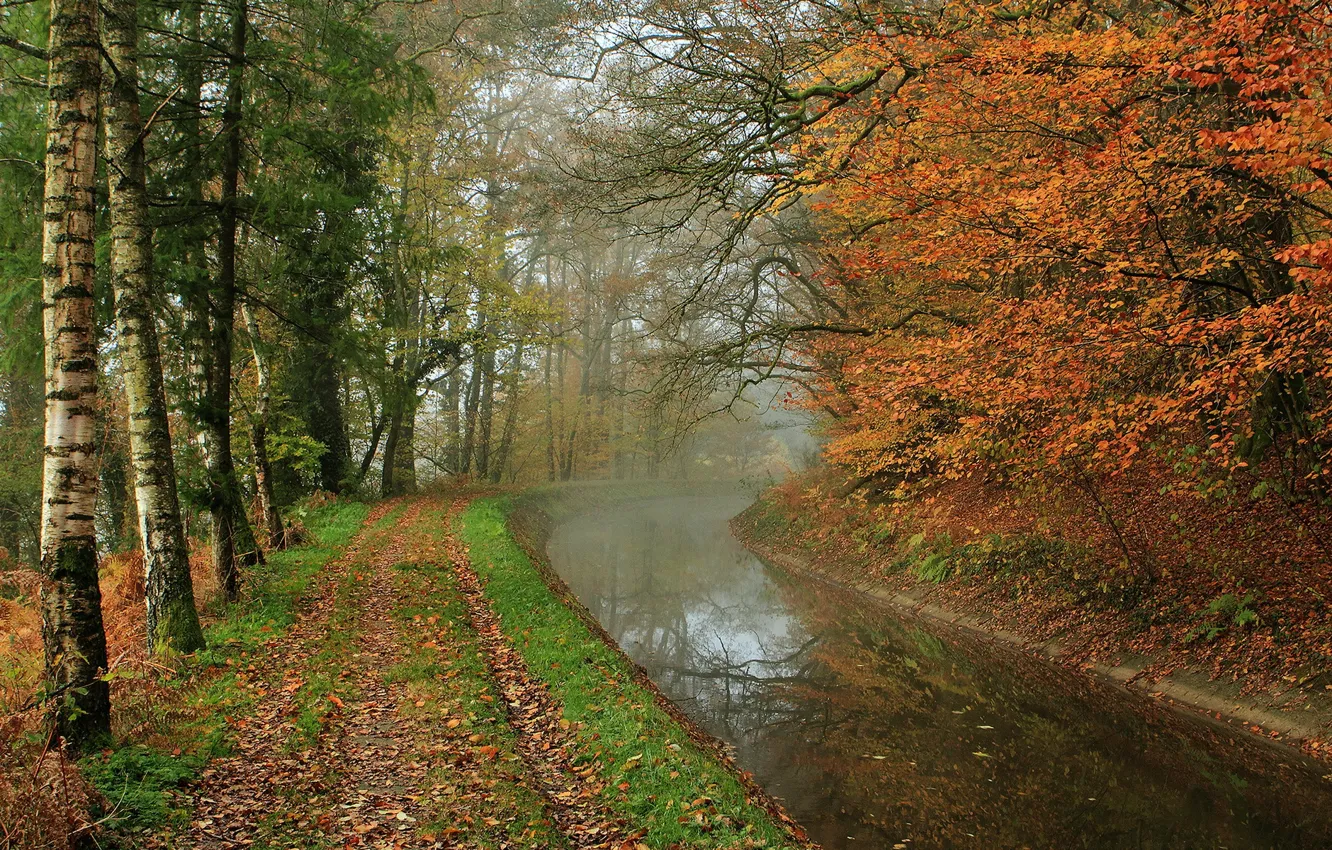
<point>878,730</point>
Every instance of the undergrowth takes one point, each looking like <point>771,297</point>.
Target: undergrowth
<point>1171,578</point>
<point>1022,560</point>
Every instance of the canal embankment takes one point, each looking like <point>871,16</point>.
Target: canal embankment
<point>1014,590</point>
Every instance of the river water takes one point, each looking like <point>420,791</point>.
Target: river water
<point>878,730</point>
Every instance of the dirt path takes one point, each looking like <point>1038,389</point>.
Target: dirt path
<point>240,789</point>
<point>376,753</point>
<point>337,751</point>
<point>351,787</point>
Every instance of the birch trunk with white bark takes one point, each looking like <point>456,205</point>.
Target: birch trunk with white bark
<point>72,631</point>
<point>172,619</point>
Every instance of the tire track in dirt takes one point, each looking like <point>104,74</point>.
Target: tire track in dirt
<point>543,741</point>
<point>381,762</point>
<point>359,785</point>
<point>240,790</point>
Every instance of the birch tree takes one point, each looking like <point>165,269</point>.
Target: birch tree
<point>172,620</point>
<point>263,469</point>
<point>72,632</point>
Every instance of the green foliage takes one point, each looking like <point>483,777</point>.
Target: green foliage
<point>299,452</point>
<point>22,146</point>
<point>1225,613</point>
<point>20,485</point>
<point>1058,564</point>
<point>137,782</point>
<point>934,568</point>
<point>1024,554</point>
<point>930,560</point>
<point>282,580</point>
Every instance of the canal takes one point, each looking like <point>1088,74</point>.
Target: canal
<point>879,730</point>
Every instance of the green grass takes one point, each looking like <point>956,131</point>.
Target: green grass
<point>277,585</point>
<point>335,646</point>
<point>658,778</point>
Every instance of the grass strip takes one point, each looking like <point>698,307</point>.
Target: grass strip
<point>326,666</point>
<point>659,779</point>
<point>476,790</point>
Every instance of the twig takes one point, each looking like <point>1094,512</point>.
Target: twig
<point>147,125</point>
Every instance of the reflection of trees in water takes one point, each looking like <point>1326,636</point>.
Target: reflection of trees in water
<point>740,700</point>
<point>871,718</point>
<point>718,647</point>
<point>1066,763</point>
<point>702,640</point>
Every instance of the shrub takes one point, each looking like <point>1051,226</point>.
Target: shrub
<point>1222,614</point>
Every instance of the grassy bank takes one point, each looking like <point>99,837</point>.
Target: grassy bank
<point>189,717</point>
<point>661,779</point>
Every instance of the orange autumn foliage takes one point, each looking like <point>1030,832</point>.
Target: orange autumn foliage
<point>1080,233</point>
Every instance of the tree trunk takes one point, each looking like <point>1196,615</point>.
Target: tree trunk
<point>194,281</point>
<point>454,422</point>
<point>404,458</point>
<point>485,425</point>
<point>386,482</point>
<point>470,405</point>
<point>393,405</point>
<point>563,449</point>
<point>232,536</point>
<point>550,420</point>
<point>473,401</point>
<point>263,470</point>
<point>510,413</point>
<point>72,632</point>
<point>172,619</point>
<point>376,434</point>
<point>325,419</point>
<point>581,404</point>
<point>263,482</point>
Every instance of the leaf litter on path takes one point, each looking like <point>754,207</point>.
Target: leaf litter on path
<point>544,738</point>
<point>336,751</point>
<point>352,767</point>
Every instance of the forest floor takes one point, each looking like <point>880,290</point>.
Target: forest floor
<point>427,689</point>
